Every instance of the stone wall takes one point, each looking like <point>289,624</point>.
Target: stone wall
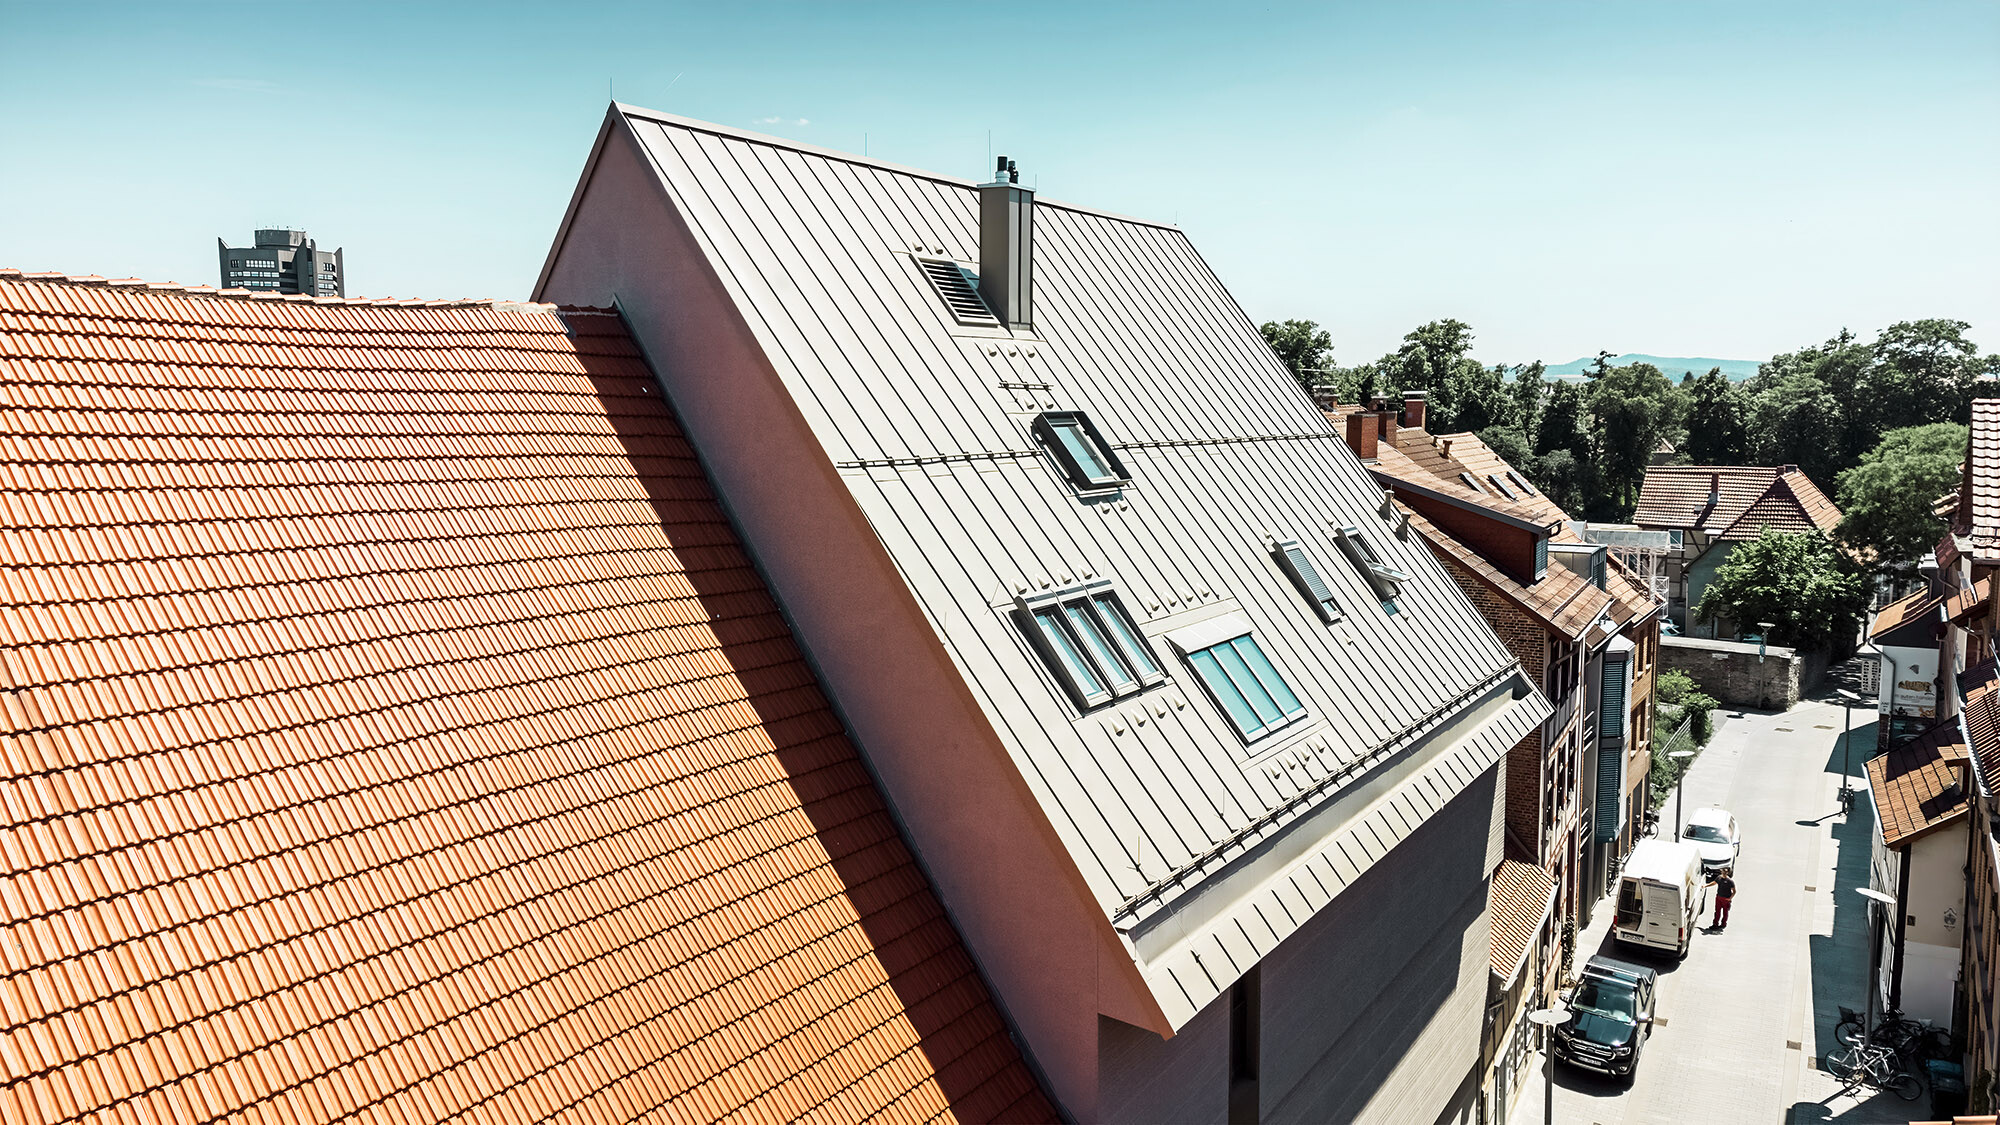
<point>1732,672</point>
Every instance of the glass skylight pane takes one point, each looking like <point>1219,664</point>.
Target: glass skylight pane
<point>1246,681</point>
<point>1083,451</point>
<point>1135,649</point>
<point>1079,669</point>
<point>1225,693</point>
<point>1085,624</point>
<point>1273,683</point>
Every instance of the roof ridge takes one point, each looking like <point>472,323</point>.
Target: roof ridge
<point>97,281</point>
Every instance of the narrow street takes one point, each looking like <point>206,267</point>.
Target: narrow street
<point>1742,1020</point>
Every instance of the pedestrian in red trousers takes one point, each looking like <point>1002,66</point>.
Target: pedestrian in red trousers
<point>1725,889</point>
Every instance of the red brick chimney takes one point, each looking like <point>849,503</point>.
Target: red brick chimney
<point>1361,435</point>
<point>1326,396</point>
<point>1413,409</point>
<point>1388,424</point>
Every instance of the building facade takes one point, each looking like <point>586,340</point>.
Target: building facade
<point>283,261</point>
<point>1199,744</point>
<point>1588,633</point>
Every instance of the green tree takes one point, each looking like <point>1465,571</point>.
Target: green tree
<point>1885,501</point>
<point>1478,397</point>
<point>1512,446</point>
<point>1560,478</point>
<point>1636,407</point>
<point>1921,371</point>
<point>1303,347</point>
<point>1527,392</point>
<point>1795,420</point>
<point>1718,421</point>
<point>1798,581</point>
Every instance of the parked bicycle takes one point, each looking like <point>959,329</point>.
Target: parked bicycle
<point>1860,1065</point>
<point>1913,1040</point>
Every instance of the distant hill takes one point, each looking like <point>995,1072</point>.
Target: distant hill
<point>1734,369</point>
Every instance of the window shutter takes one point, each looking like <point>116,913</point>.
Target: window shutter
<point>1307,576</point>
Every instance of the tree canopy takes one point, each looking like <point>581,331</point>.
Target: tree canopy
<point>1885,501</point>
<point>1798,581</point>
<point>1303,347</point>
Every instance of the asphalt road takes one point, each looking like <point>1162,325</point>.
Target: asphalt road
<point>1739,1021</point>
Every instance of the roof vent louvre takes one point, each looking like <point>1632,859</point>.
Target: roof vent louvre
<point>956,291</point>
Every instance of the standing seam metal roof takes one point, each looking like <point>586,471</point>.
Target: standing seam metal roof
<point>929,423</point>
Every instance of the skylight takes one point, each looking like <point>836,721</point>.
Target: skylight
<point>1519,483</point>
<point>1472,483</point>
<point>1292,556</point>
<point>1504,490</point>
<point>1082,453</point>
<point>1091,644</point>
<point>1385,580</point>
<point>1246,687</point>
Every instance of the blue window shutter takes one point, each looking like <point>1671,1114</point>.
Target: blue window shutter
<point>1611,707</point>
<point>1610,790</point>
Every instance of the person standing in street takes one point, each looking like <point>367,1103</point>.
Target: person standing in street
<point>1725,889</point>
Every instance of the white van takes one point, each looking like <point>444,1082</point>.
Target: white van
<point>1659,896</point>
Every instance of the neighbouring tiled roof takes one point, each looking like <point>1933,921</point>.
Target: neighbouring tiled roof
<point>1969,601</point>
<point>1916,785</point>
<point>1562,600</point>
<point>395,729</point>
<point>1911,608</point>
<point>1677,496</point>
<point>1979,512</point>
<point>1793,503</point>
<point>1979,687</point>
<point>1518,901</point>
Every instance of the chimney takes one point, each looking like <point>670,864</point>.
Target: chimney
<point>1361,435</point>
<point>1007,247</point>
<point>1326,396</point>
<point>1388,423</point>
<point>1413,409</point>
<point>1784,469</point>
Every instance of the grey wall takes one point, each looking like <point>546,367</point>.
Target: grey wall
<point>1371,1012</point>
<point>1731,671</point>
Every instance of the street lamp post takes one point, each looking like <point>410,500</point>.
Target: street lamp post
<point>1548,1019</point>
<point>1875,898</point>
<point>1680,790</point>
<point>1847,701</point>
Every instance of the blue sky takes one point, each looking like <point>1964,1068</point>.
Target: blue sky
<point>1725,180</point>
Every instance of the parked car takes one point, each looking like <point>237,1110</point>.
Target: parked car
<point>1659,896</point>
<point>1714,832</point>
<point>1611,1017</point>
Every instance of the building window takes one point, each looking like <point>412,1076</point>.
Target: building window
<point>1239,678</point>
<point>1292,556</point>
<point>1091,644</point>
<point>1541,557</point>
<point>1085,457</point>
<point>1385,580</point>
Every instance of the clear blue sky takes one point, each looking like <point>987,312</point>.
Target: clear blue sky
<point>1726,180</point>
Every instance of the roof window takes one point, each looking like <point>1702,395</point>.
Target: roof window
<point>1519,483</point>
<point>1292,556</point>
<point>1090,643</point>
<point>1086,458</point>
<point>1238,677</point>
<point>1385,580</point>
<point>955,289</point>
<point>1471,483</point>
<point>1504,490</point>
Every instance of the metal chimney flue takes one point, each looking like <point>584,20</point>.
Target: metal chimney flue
<point>1007,246</point>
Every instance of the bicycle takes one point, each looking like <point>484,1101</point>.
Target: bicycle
<point>1881,1067</point>
<point>1914,1040</point>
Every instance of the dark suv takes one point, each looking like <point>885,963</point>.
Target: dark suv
<point>1611,1015</point>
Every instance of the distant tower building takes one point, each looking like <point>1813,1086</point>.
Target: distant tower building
<point>283,261</point>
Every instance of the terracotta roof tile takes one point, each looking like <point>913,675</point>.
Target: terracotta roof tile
<point>1909,608</point>
<point>1979,686</point>
<point>1747,499</point>
<point>1979,512</point>
<point>394,727</point>
<point>1518,900</point>
<point>1916,785</point>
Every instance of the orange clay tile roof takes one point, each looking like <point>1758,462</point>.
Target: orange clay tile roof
<point>1969,601</point>
<point>1978,513</point>
<point>395,729</point>
<point>1518,901</point>
<point>1910,608</point>
<point>1561,599</point>
<point>1916,785</point>
<point>1979,686</point>
<point>1677,496</point>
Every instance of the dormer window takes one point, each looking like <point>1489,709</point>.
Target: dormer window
<point>1090,643</point>
<point>1299,565</point>
<point>1083,454</point>
<point>1385,580</point>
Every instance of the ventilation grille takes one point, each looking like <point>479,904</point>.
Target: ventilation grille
<point>955,289</point>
